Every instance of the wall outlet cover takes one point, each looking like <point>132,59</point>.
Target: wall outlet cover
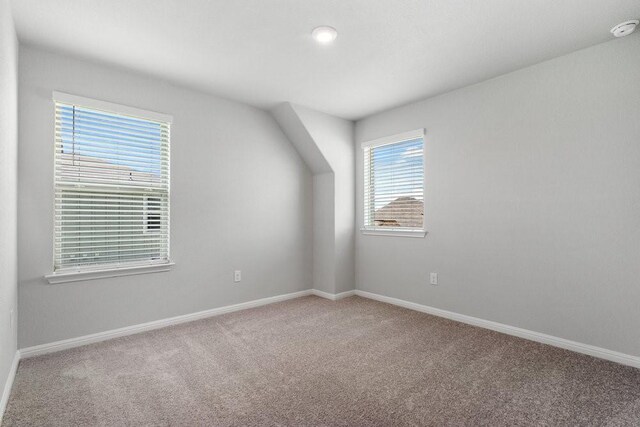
<point>433,278</point>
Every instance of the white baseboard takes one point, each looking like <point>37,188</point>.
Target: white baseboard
<point>487,324</point>
<point>333,297</point>
<point>587,349</point>
<point>156,324</point>
<point>6,391</point>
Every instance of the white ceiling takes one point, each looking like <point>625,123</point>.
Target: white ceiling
<point>388,52</point>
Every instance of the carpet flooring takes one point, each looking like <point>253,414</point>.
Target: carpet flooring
<point>311,361</point>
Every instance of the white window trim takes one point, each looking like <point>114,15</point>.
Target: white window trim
<point>63,276</point>
<point>110,107</point>
<point>394,139</point>
<point>125,269</point>
<point>393,232</point>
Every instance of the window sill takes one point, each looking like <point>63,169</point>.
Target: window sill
<point>76,276</point>
<point>395,233</point>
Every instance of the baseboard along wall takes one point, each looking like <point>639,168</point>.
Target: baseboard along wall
<point>156,324</point>
<point>590,350</point>
<point>587,349</point>
<point>6,390</point>
<point>333,297</point>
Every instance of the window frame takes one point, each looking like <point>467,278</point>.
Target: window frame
<point>98,271</point>
<point>390,140</point>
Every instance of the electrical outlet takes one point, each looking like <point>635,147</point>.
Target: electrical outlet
<point>433,278</point>
<point>237,275</point>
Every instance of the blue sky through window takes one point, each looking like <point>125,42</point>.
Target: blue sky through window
<point>398,171</point>
<point>116,139</point>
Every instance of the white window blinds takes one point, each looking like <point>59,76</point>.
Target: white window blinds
<point>111,185</point>
<point>394,183</point>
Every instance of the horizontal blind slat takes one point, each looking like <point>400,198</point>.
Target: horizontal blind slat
<point>65,116</point>
<point>105,115</point>
<point>108,153</point>
<point>80,141</point>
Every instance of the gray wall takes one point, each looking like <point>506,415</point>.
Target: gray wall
<point>326,144</point>
<point>334,137</point>
<point>323,195</point>
<point>532,200</point>
<point>324,242</point>
<point>241,198</point>
<point>8,189</point>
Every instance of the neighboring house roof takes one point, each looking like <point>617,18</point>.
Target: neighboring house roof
<point>98,170</point>
<point>402,212</point>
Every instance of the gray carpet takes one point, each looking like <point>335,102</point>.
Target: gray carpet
<point>311,361</point>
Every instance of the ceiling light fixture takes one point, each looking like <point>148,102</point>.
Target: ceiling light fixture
<point>625,28</point>
<point>324,34</point>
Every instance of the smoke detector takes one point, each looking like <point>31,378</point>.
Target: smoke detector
<point>625,28</point>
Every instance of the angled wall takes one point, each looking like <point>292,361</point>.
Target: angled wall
<point>326,145</point>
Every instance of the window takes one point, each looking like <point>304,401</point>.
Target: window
<point>152,214</point>
<point>394,184</point>
<point>111,186</point>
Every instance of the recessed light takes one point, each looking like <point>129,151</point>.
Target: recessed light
<point>625,28</point>
<point>324,34</point>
